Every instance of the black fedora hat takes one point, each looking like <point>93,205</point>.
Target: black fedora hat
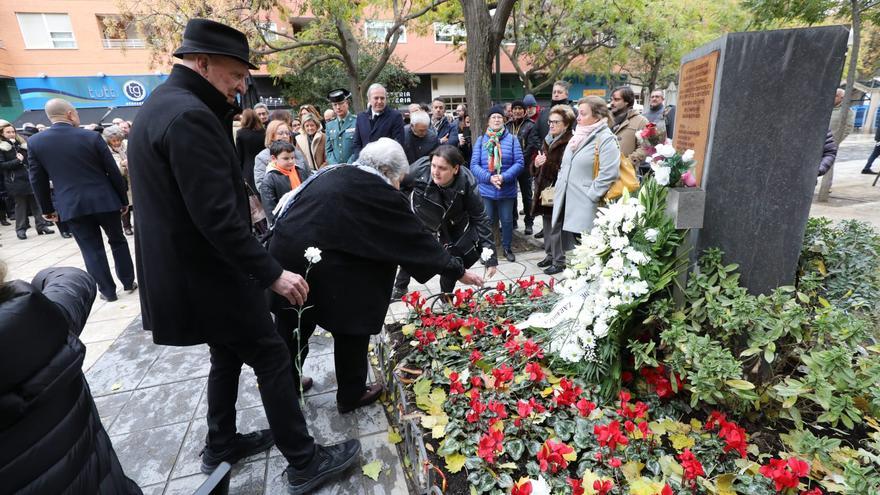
<point>213,38</point>
<point>338,95</point>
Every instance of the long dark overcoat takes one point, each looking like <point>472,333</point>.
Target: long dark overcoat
<point>51,437</point>
<point>367,129</point>
<point>15,171</point>
<point>202,274</point>
<point>364,229</point>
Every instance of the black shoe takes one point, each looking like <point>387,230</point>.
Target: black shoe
<point>307,383</point>
<point>242,446</point>
<point>328,463</point>
<point>544,263</point>
<point>44,230</point>
<point>371,394</point>
<point>128,231</point>
<point>864,171</point>
<point>397,294</point>
<point>66,235</point>
<point>539,235</point>
<point>554,269</point>
<point>509,255</point>
<point>108,298</point>
<point>4,222</point>
<point>21,235</point>
<point>528,230</point>
<point>131,288</point>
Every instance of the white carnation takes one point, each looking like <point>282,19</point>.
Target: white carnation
<point>666,150</point>
<point>661,175</point>
<point>486,255</point>
<point>688,155</point>
<point>313,255</point>
<point>619,242</point>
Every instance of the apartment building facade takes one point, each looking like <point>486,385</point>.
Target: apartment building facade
<point>62,48</point>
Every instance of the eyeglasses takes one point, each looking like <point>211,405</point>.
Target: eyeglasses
<point>554,122</point>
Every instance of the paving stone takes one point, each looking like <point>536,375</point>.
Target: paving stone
<point>124,364</point>
<point>153,489</point>
<point>94,351</point>
<point>178,363</point>
<point>160,405</point>
<point>371,419</point>
<point>188,460</point>
<point>245,479</point>
<point>109,407</point>
<point>323,372</point>
<point>391,478</point>
<point>147,456</point>
<point>324,421</point>
<point>104,330</point>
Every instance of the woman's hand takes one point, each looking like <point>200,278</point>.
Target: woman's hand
<point>540,159</point>
<point>490,272</point>
<point>471,278</point>
<point>497,180</point>
<point>20,157</point>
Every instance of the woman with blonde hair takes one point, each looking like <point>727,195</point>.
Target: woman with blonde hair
<point>13,164</point>
<point>277,130</point>
<point>578,192</point>
<point>310,142</point>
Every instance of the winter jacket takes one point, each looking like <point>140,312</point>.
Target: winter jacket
<point>15,171</point>
<point>529,141</point>
<point>463,224</point>
<point>318,156</point>
<point>627,133</point>
<point>417,147</point>
<point>274,185</point>
<point>829,153</point>
<point>261,162</point>
<point>249,142</point>
<point>51,437</point>
<point>547,173</point>
<point>511,166</point>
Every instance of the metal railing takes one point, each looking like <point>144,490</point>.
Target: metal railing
<point>124,43</point>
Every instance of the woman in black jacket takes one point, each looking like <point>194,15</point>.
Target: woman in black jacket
<point>249,141</point>
<point>13,162</point>
<point>51,437</point>
<point>443,194</point>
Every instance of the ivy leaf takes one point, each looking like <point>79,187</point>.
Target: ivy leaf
<point>372,470</point>
<point>515,448</point>
<point>681,442</point>
<point>632,470</point>
<point>564,429</point>
<point>394,436</point>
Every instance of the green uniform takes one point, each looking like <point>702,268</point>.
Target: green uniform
<point>340,137</point>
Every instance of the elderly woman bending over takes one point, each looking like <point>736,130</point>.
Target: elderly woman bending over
<point>578,191</point>
<point>364,228</point>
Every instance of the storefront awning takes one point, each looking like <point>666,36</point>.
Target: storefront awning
<point>99,115</point>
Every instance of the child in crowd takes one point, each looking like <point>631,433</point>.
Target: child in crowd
<point>282,176</point>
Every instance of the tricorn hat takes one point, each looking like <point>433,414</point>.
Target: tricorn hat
<point>213,38</point>
<point>338,95</point>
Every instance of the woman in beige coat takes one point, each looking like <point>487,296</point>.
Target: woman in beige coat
<point>311,141</point>
<point>578,193</point>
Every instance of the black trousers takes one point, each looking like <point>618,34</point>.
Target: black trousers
<point>447,284</point>
<point>525,189</point>
<point>269,357</point>
<point>22,203</point>
<point>86,231</point>
<point>349,351</point>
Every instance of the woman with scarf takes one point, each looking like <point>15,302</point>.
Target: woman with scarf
<point>13,164</point>
<point>310,142</point>
<point>578,191</point>
<point>283,175</point>
<point>546,169</point>
<point>496,162</point>
<point>277,130</point>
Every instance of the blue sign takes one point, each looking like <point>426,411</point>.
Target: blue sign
<point>87,92</point>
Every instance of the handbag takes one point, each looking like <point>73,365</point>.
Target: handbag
<point>547,195</point>
<point>259,222</point>
<point>626,177</point>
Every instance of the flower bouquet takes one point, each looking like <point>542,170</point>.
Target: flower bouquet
<point>650,137</point>
<point>673,169</point>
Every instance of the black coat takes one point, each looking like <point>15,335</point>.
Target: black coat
<point>529,141</point>
<point>388,124</point>
<point>85,177</point>
<point>51,437</point>
<point>15,172</point>
<point>365,229</point>
<point>417,147</point>
<point>275,185</point>
<point>248,143</point>
<point>829,153</point>
<point>201,273</point>
<point>463,223</point>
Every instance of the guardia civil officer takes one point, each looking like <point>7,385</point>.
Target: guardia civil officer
<point>340,131</point>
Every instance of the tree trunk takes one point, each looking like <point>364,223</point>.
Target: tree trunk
<point>825,188</point>
<point>481,53</point>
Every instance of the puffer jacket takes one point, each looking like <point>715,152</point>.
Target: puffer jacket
<point>829,153</point>
<point>15,171</point>
<point>51,437</point>
<point>512,164</point>
<point>464,223</point>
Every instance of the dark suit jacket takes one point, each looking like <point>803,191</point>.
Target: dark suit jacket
<point>202,274</point>
<point>85,177</point>
<point>388,124</point>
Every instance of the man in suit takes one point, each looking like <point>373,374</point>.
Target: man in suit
<point>377,121</point>
<point>89,193</point>
<point>203,274</point>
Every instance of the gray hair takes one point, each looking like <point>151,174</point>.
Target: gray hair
<point>374,86</point>
<point>387,156</point>
<point>261,105</point>
<point>419,118</point>
<point>114,131</point>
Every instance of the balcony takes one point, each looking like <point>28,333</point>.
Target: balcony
<point>124,43</point>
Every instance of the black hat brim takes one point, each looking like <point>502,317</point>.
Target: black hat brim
<point>190,51</point>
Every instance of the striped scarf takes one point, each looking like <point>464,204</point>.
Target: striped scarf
<point>493,148</point>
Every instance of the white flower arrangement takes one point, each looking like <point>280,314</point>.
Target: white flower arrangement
<point>670,168</point>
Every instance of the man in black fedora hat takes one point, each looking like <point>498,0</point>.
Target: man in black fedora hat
<point>340,131</point>
<point>203,275</point>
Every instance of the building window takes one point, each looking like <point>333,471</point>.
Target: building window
<point>269,30</point>
<point>42,31</point>
<point>119,32</point>
<point>449,33</point>
<point>376,31</point>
